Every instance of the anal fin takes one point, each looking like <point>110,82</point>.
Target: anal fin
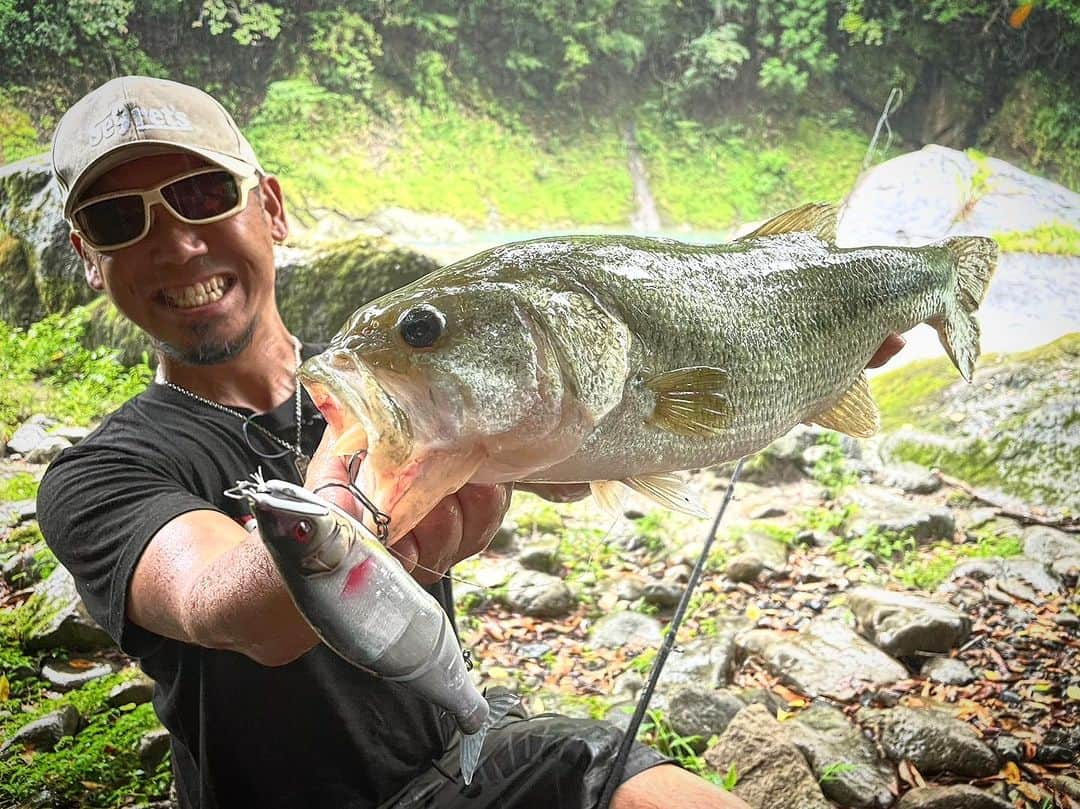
<point>855,413</point>
<point>668,490</point>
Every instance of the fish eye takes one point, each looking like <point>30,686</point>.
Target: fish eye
<point>421,326</point>
<point>302,531</point>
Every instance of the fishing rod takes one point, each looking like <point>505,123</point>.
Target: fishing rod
<point>619,766</point>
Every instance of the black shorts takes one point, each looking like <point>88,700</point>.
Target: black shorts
<point>545,760</point>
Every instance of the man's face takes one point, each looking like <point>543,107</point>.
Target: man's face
<point>200,291</point>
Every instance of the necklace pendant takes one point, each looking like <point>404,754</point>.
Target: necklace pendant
<point>301,464</point>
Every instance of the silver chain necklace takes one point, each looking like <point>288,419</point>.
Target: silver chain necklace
<point>300,459</point>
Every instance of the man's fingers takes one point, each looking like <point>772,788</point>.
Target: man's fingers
<point>893,343</point>
<point>557,492</point>
<point>437,538</point>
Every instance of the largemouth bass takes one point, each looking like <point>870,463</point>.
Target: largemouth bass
<point>617,358</point>
<point>363,605</point>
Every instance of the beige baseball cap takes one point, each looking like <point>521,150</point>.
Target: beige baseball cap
<point>134,116</point>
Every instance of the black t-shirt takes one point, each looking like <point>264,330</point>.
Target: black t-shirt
<point>317,732</point>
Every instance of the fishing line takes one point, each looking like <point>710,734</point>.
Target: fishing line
<point>883,121</point>
<point>619,766</point>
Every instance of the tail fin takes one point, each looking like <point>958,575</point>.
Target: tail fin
<point>471,743</point>
<point>975,258</point>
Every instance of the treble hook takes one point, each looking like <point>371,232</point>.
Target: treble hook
<point>382,519</point>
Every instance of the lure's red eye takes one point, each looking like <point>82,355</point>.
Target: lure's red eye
<point>302,532</point>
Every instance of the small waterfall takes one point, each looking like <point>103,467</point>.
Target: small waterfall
<point>645,218</point>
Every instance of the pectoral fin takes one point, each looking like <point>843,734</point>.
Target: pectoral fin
<point>691,401</point>
<point>669,491</point>
<point>818,218</point>
<point>665,489</point>
<point>855,413</point>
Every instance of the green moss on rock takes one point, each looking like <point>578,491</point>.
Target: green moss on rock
<point>318,292</point>
<point>1014,429</point>
<point>19,304</point>
<point>107,327</point>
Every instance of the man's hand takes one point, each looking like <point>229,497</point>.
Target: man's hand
<point>461,524</point>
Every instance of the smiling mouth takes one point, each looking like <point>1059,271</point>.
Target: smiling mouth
<point>201,293</point>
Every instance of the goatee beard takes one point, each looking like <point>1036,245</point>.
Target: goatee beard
<point>208,351</point>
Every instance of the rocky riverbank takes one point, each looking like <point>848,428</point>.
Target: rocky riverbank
<point>865,635</point>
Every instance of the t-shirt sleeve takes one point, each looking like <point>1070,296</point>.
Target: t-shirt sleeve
<point>98,510</point>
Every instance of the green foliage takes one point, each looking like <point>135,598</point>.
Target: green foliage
<point>729,780</point>
<point>833,771</point>
<point>793,34</point>
<point>249,22</point>
<point>831,469</point>
<point>343,49</point>
<point>907,394</point>
<point>886,547</point>
<point>657,732</point>
<point>99,766</point>
<point>1055,239</point>
<point>20,486</point>
<point>48,368</point>
<point>926,569</point>
<point>18,137</point>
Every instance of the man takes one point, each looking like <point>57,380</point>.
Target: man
<point>175,220</point>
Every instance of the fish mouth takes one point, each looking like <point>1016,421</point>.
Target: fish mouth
<point>404,469</point>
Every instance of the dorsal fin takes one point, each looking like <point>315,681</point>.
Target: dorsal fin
<point>818,218</point>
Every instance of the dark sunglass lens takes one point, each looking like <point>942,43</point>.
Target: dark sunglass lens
<point>112,221</point>
<point>203,196</point>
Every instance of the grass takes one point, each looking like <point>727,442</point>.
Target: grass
<point>1054,239</point>
<point>47,369</point>
<point>20,486</point>
<point>831,469</point>
<point>930,566</point>
<point>99,766</point>
<point>908,394</point>
<point>492,169</point>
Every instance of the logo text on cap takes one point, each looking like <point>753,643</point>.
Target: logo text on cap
<point>119,122</point>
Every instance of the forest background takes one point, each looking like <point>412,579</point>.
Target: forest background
<point>509,114</point>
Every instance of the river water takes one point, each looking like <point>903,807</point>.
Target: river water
<point>1033,299</point>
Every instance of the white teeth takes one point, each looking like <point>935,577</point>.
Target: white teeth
<point>198,294</point>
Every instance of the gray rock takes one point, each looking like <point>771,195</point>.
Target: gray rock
<point>1067,619</point>
<point>1008,748</point>
<point>678,573</point>
<point>826,659</point>
<point>538,594</point>
<point>934,741</point>
<point>47,449</point>
<point>1047,545</point>
<point>924,196</point>
<point>71,433</point>
<point>17,512</point>
<point>29,434</point>
<point>626,628</point>
<point>62,619</point>
<point>662,593</point>
<point>700,662</point>
<point>767,513</point>
<point>904,624</point>
<point>45,732</point>
<point>911,478</point>
<point>947,670</point>
<point>827,739</point>
<point>1033,572</point>
<point>65,676</point>
<point>19,568</point>
<point>629,682</point>
<point>1066,566</point>
<point>701,711</point>
<point>137,691</point>
<point>771,551</point>
<point>978,569</point>
<point>503,540</point>
<point>542,556</point>
<point>771,771</point>
<point>629,589</point>
<point>960,796</point>
<point>885,512</point>
<point>1067,785</point>
<point>744,568</point>
<point>153,747</point>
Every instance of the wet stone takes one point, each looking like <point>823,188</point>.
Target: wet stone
<point>1009,748</point>
<point>70,625</point>
<point>902,624</point>
<point>911,478</point>
<point>886,512</point>
<point>133,692</point>
<point>531,592</point>
<point>960,796</point>
<point>1032,572</point>
<point>694,710</point>
<point>153,747</point>
<point>45,732</point>
<point>935,742</point>
<point>541,556</point>
<point>1047,545</point>
<point>68,675</point>
<point>17,512</point>
<point>744,568</point>
<point>29,434</point>
<point>947,670</point>
<point>771,551</point>
<point>47,449</point>
<point>503,540</point>
<point>533,651</point>
<point>662,593</point>
<point>629,589</point>
<point>626,628</point>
